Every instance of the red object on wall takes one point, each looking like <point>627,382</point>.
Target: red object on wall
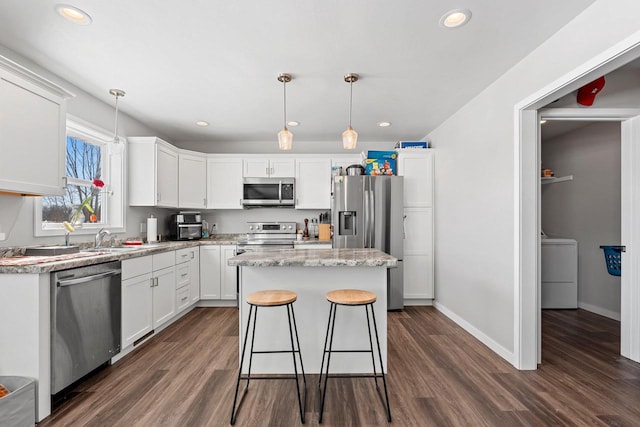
<point>587,93</point>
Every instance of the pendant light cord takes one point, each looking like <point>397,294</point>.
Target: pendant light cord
<point>284,87</point>
<point>115,132</point>
<point>350,100</point>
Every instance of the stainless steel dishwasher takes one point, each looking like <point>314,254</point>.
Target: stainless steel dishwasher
<point>85,321</point>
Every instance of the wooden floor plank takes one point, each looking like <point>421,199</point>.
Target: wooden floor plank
<point>439,375</point>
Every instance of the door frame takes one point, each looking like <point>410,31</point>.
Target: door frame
<point>526,203</point>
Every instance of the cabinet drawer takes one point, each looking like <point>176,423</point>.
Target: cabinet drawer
<point>136,266</point>
<point>183,275</point>
<point>163,260</point>
<point>182,298</point>
<point>184,255</point>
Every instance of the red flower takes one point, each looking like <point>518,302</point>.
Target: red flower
<point>98,183</point>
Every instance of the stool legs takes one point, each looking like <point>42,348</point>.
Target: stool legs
<point>329,339</point>
<point>253,312</point>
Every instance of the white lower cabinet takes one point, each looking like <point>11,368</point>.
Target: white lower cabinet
<point>148,294</point>
<point>217,279</point>
<point>418,253</point>
<point>187,277</point>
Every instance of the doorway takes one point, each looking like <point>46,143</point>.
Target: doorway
<point>527,214</point>
<point>580,210</point>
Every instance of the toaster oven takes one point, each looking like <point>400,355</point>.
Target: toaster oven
<point>185,226</point>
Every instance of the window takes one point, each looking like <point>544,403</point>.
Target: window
<point>91,155</point>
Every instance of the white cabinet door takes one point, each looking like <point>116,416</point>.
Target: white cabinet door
<point>164,296</point>
<point>153,172</point>
<point>313,183</point>
<point>167,176</point>
<point>273,167</point>
<point>194,285</point>
<point>417,169</point>
<point>32,135</point>
<point>224,183</point>
<point>418,277</point>
<point>228,283</point>
<point>282,168</point>
<point>256,168</point>
<point>209,272</point>
<point>137,308</point>
<point>192,180</point>
<point>418,253</point>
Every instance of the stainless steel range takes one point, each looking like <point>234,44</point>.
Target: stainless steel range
<point>267,236</point>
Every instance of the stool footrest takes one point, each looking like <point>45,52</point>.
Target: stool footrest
<point>353,376</point>
<point>347,351</point>
<point>290,377</point>
<point>274,351</point>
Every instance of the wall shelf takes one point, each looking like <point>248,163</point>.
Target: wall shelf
<point>553,179</point>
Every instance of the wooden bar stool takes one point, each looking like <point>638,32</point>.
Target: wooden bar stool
<point>352,298</point>
<point>271,298</point>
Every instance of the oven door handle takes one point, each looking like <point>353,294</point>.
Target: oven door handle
<point>85,279</point>
<point>280,191</point>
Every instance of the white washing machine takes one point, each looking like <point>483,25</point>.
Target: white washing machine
<point>559,273</point>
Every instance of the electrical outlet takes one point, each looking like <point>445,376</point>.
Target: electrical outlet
<point>213,226</point>
<point>143,227</point>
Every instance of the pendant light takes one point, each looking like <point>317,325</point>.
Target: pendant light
<point>350,136</point>
<point>285,137</point>
<point>117,93</point>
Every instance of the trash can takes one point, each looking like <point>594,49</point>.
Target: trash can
<point>18,408</point>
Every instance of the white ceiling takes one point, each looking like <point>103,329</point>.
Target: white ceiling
<point>182,61</point>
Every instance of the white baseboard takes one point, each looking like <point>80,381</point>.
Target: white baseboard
<point>418,302</point>
<point>476,333</point>
<point>599,310</point>
<point>217,303</point>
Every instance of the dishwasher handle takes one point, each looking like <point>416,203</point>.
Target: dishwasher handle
<point>85,279</point>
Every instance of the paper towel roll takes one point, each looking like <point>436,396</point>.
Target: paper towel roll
<point>152,229</point>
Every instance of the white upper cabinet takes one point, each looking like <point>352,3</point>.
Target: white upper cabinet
<point>192,180</point>
<point>32,132</point>
<point>344,162</point>
<point>313,183</point>
<point>153,172</point>
<point>417,169</point>
<point>224,182</point>
<point>274,168</point>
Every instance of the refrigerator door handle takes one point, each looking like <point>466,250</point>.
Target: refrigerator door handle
<point>372,218</point>
<point>365,196</point>
<point>404,229</point>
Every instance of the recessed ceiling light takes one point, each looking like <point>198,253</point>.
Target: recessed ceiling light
<point>543,121</point>
<point>73,14</point>
<point>293,123</point>
<point>384,124</point>
<point>202,123</point>
<point>455,18</point>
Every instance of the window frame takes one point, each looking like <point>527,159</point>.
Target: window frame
<point>113,174</point>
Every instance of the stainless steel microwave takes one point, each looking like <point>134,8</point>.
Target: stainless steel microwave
<point>268,192</point>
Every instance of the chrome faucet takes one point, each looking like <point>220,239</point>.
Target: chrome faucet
<point>100,236</point>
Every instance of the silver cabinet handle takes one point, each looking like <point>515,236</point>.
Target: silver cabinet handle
<point>151,282</point>
<point>159,198</point>
<point>266,171</point>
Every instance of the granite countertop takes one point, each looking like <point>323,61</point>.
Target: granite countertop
<point>310,241</point>
<point>14,262</point>
<point>315,258</point>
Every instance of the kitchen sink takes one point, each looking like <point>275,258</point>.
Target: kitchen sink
<point>51,250</point>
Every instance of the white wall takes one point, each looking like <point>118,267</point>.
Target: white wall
<point>16,213</point>
<point>474,173</point>
<point>588,208</point>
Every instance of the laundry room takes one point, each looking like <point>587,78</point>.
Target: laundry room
<point>581,211</point>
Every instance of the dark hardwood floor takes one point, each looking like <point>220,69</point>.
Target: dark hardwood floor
<point>438,376</point>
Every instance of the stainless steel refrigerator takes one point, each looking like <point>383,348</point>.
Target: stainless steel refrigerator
<point>367,212</point>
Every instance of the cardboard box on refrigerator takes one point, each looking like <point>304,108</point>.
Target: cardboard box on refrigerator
<point>381,163</point>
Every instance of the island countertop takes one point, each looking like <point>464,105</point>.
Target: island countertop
<point>343,257</point>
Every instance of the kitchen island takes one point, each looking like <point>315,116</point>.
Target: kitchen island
<point>311,274</point>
